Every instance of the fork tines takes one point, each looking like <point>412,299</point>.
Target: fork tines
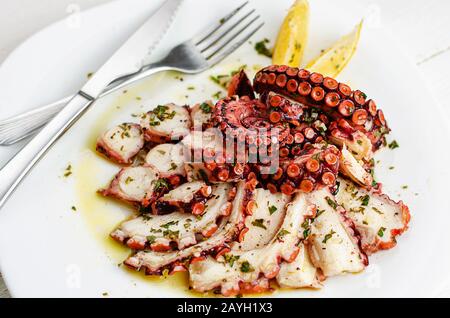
<point>226,35</point>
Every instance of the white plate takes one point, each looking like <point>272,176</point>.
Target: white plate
<point>46,249</point>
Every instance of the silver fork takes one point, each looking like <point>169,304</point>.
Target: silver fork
<point>193,56</point>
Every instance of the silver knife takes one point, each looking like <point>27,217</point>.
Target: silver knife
<point>128,59</point>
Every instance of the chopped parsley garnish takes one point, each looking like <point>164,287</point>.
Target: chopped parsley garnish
<point>319,212</point>
<point>217,95</point>
<point>377,210</point>
<point>173,166</point>
<point>160,113</point>
<point>74,208</point>
<point>404,187</point>
<point>221,80</point>
<point>230,259</point>
<point>151,239</point>
<point>128,180</point>
<point>381,231</point>
<point>259,223</point>
<point>168,224</point>
<point>261,48</point>
<point>160,183</point>
<point>306,228</point>
<point>272,209</point>
<point>331,202</point>
<point>153,121</point>
<point>68,171</point>
<point>306,233</point>
<point>282,233</point>
<point>394,144</point>
<point>328,236</point>
<point>125,131</point>
<point>246,267</point>
<point>365,200</point>
<point>146,217</point>
<point>206,108</point>
<point>173,235</point>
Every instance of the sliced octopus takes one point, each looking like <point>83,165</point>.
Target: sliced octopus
<point>229,227</point>
<point>121,143</point>
<point>266,212</point>
<point>299,273</point>
<point>201,115</point>
<point>189,197</point>
<point>157,232</point>
<point>133,184</point>
<point>167,159</point>
<point>333,241</point>
<point>237,272</point>
<point>354,169</point>
<point>377,218</point>
<point>249,191</point>
<point>166,123</point>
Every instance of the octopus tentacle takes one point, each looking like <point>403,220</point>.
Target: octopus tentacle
<point>314,167</point>
<point>337,100</point>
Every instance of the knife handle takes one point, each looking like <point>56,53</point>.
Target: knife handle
<point>18,167</point>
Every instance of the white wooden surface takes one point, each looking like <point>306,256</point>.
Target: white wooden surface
<point>421,27</point>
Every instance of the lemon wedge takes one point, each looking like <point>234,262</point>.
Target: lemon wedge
<point>293,35</point>
<point>334,59</point>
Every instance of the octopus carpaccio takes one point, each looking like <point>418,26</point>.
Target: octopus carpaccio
<point>270,186</point>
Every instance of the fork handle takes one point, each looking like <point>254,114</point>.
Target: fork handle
<point>19,166</point>
<point>19,127</point>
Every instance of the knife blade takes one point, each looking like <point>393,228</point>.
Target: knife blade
<point>130,57</point>
<point>127,59</point>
